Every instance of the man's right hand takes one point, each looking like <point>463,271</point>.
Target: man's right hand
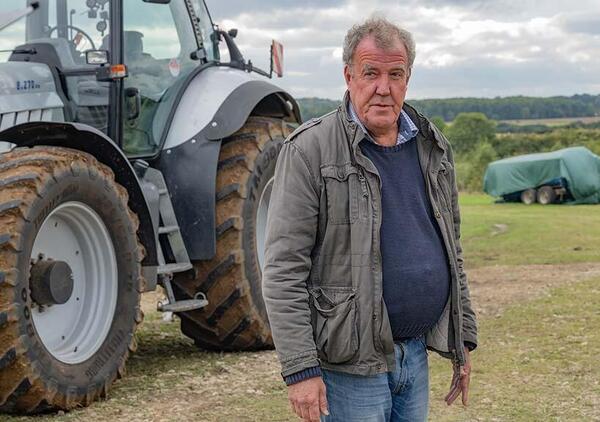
<point>308,399</point>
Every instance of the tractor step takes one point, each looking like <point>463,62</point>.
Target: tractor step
<point>169,234</point>
<point>183,305</point>
<point>173,268</point>
<point>173,305</point>
<point>167,229</point>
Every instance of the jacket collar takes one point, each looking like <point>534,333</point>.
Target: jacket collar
<point>356,134</point>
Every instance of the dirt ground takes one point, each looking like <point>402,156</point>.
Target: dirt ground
<point>254,374</point>
<point>494,288</point>
<point>171,380</point>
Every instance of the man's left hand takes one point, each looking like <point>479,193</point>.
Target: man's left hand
<point>460,381</point>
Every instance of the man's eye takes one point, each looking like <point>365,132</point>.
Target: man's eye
<point>397,75</point>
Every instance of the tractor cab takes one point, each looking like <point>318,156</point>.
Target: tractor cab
<point>84,41</point>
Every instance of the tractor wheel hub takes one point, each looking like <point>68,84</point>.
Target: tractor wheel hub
<point>51,282</point>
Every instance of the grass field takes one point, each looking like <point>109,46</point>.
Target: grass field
<point>535,282</point>
<point>514,233</point>
<point>538,362</point>
<point>553,122</point>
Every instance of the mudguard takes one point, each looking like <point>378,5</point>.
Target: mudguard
<point>219,99</point>
<point>215,104</point>
<point>88,139</point>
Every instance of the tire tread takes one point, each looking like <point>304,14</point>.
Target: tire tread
<point>23,171</point>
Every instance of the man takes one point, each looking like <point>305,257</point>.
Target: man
<point>364,267</point>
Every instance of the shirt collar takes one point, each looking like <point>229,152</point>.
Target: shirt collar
<point>407,129</point>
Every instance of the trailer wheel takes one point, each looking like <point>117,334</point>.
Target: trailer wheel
<point>69,263</point>
<point>236,318</point>
<point>528,196</point>
<point>546,195</point>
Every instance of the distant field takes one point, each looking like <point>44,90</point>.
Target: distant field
<point>553,122</point>
<point>518,234</point>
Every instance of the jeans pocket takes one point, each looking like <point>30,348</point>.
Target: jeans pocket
<point>334,323</point>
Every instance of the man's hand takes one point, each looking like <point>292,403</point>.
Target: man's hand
<point>308,399</point>
<point>460,381</point>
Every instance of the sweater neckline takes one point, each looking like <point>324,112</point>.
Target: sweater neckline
<point>390,149</point>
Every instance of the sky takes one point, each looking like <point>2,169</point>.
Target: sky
<point>465,48</point>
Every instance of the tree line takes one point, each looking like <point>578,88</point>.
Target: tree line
<point>499,108</point>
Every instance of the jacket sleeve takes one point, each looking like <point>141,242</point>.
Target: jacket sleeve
<point>291,233</point>
<point>469,319</point>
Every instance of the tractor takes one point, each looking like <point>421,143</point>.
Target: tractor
<point>132,156</point>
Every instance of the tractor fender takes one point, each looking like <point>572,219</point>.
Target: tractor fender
<point>216,103</point>
<point>88,139</point>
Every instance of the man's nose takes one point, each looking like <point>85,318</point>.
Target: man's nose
<point>383,85</point>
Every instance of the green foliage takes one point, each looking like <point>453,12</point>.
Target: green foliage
<point>439,122</point>
<point>469,130</point>
<point>504,127</point>
<point>472,168</point>
<point>508,145</point>
<point>315,107</point>
<point>508,108</point>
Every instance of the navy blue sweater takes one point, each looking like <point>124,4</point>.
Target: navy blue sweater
<point>416,278</point>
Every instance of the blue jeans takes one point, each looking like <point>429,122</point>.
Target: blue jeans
<point>402,395</point>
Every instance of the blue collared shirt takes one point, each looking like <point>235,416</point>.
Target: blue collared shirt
<point>407,130</point>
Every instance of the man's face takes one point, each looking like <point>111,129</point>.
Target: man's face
<point>377,81</point>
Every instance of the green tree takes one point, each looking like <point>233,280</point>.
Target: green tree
<point>439,122</point>
<point>469,130</point>
<point>470,171</point>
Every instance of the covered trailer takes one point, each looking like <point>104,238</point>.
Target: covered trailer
<point>567,175</point>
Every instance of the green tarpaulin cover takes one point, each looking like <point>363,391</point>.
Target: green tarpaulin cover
<point>578,165</point>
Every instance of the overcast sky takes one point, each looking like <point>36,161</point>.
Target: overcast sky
<point>464,47</point>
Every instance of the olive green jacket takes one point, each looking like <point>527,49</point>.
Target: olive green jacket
<point>322,278</point>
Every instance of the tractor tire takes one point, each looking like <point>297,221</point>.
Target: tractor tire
<point>235,318</point>
<point>528,196</point>
<point>546,195</point>
<point>61,212</point>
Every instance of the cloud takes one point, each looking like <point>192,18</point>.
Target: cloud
<point>492,77</point>
<point>582,23</point>
<point>463,47</point>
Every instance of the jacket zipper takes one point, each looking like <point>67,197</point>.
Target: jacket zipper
<point>363,183</point>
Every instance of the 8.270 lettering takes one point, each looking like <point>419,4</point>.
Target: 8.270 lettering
<point>27,85</point>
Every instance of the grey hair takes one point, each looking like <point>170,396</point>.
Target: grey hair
<point>385,34</point>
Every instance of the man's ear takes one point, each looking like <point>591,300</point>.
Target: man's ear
<point>347,74</point>
<point>408,75</point>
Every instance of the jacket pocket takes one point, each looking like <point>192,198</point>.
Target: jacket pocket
<point>341,187</point>
<point>334,323</point>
